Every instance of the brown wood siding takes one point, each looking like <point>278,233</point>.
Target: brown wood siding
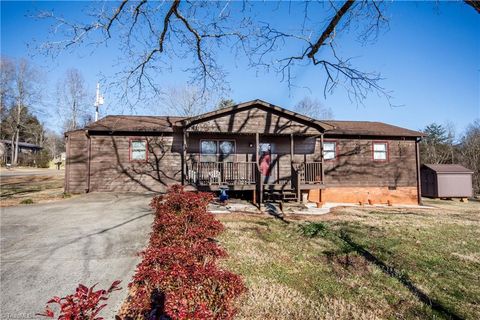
<point>354,165</point>
<point>254,120</point>
<point>76,175</point>
<point>112,170</point>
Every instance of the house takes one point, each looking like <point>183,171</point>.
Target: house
<point>446,181</point>
<point>257,149</point>
<point>25,151</point>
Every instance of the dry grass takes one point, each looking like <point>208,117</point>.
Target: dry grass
<point>370,263</point>
<point>39,188</point>
<point>266,300</point>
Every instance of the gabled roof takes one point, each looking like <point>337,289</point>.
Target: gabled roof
<point>448,168</point>
<point>369,128</point>
<point>261,105</point>
<point>136,123</point>
<point>124,123</point>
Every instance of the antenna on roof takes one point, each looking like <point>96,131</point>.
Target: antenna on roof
<point>98,101</point>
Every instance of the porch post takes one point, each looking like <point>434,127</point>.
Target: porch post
<point>184,156</point>
<point>291,148</point>
<point>296,183</point>
<point>89,159</point>
<point>321,157</point>
<point>419,181</point>
<point>257,160</point>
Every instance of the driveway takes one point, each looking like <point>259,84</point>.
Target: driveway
<point>48,249</point>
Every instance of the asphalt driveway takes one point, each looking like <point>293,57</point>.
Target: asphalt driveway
<point>47,249</point>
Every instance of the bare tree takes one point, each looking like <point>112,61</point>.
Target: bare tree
<point>157,36</point>
<point>186,101</point>
<point>54,143</point>
<point>313,108</point>
<point>470,152</point>
<point>72,99</point>
<point>7,79</point>
<point>20,94</point>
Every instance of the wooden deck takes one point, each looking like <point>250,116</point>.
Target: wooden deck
<point>239,176</point>
<point>223,173</point>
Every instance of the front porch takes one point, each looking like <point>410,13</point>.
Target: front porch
<point>268,166</point>
<point>246,175</point>
<point>254,147</point>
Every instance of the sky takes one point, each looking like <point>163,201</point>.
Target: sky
<point>429,58</point>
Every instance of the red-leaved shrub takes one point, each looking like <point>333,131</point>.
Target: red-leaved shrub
<point>84,304</point>
<point>179,264</point>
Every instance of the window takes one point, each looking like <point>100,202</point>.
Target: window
<point>226,148</point>
<point>138,150</point>
<point>217,150</point>
<point>208,150</point>
<point>329,150</point>
<point>380,151</point>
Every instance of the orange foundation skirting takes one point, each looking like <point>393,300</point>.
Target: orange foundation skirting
<point>365,195</point>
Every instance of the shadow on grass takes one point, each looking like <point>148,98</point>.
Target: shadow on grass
<point>403,279</point>
<point>272,210</point>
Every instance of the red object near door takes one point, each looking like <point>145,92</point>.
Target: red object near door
<point>265,161</point>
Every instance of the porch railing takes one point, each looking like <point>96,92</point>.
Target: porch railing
<point>309,172</point>
<point>220,173</point>
<point>206,173</point>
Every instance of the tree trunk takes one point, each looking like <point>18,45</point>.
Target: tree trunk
<point>17,138</point>
<point>12,149</point>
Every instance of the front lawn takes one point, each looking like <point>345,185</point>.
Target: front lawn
<point>30,186</point>
<point>359,263</point>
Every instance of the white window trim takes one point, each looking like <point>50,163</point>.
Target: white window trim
<point>384,152</point>
<point>145,149</point>
<point>334,151</point>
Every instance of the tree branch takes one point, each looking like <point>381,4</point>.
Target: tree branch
<point>330,28</point>
<point>166,21</point>
<point>115,17</point>
<point>475,4</point>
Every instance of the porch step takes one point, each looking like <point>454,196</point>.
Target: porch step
<point>285,195</point>
<point>290,196</point>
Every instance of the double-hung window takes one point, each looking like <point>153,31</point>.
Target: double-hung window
<point>329,150</point>
<point>380,151</point>
<point>138,150</point>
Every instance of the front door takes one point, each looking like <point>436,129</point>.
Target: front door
<point>265,161</point>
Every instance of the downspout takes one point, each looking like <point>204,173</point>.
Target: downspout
<point>66,186</point>
<point>321,157</point>
<point>419,184</point>
<point>184,155</point>
<point>89,155</point>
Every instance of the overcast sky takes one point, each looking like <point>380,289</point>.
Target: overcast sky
<point>429,57</point>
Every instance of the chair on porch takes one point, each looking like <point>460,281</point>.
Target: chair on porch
<point>192,176</point>
<point>214,177</point>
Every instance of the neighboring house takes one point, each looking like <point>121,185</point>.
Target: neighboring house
<point>255,148</point>
<point>24,150</point>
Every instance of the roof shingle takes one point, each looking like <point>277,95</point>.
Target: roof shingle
<point>136,123</point>
<point>448,168</point>
<point>168,123</point>
<point>370,128</point>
